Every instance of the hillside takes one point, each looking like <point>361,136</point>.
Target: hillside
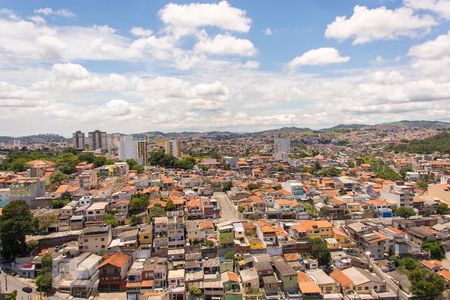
<point>438,143</point>
<point>419,124</point>
<point>38,138</point>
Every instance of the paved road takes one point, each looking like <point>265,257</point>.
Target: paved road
<point>227,210</point>
<point>14,284</point>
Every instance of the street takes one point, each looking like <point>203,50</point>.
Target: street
<point>14,284</point>
<point>227,210</point>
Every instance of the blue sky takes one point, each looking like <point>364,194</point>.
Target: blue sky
<point>132,66</point>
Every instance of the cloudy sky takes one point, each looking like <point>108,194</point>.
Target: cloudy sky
<point>134,66</point>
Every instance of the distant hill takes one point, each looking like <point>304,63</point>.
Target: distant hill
<point>348,127</point>
<point>419,124</point>
<point>38,138</point>
<point>284,130</point>
<point>438,143</point>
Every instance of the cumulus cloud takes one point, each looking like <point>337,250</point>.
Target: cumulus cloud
<point>184,18</point>
<point>440,7</point>
<point>141,32</point>
<point>366,25</point>
<point>225,45</point>
<point>51,12</point>
<point>318,57</point>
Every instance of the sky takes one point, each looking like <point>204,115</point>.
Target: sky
<point>137,66</point>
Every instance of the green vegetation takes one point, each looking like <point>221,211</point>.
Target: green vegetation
<point>156,211</point>
<point>138,204</point>
<point>109,219</point>
<point>229,255</point>
<point>310,209</point>
<point>66,161</point>
<point>170,205</point>
<point>11,296</point>
<point>208,243</point>
<point>59,203</point>
<point>435,248</point>
<point>404,212</point>
<point>438,143</point>
<point>330,172</point>
<point>159,158</point>
<point>57,178</point>
<point>44,278</point>
<point>320,251</point>
<point>252,186</point>
<point>15,223</point>
<point>424,283</point>
<point>135,166</point>
<point>442,208</point>
<point>195,290</point>
<point>226,186</point>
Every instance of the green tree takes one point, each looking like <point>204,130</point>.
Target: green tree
<point>422,184</point>
<point>252,186</point>
<point>133,220</point>
<point>169,205</point>
<point>320,251</point>
<point>100,161</point>
<point>66,196</point>
<point>195,290</point>
<point>15,223</point>
<point>87,157</point>
<point>435,248</point>
<point>425,283</point>
<point>44,282</point>
<point>156,211</point>
<point>110,220</point>
<point>442,208</point>
<point>226,186</point>
<point>404,212</point>
<point>59,203</point>
<point>11,296</point>
<point>229,255</point>
<point>138,204</point>
<point>209,243</point>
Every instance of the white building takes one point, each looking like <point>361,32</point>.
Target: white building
<point>130,148</point>
<point>282,148</point>
<point>173,147</point>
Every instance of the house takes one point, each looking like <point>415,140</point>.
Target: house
<point>307,287</point>
<point>230,281</point>
<point>225,233</point>
<point>376,244</point>
<point>325,282</point>
<point>249,279</point>
<point>145,235</point>
<point>176,285</point>
<point>345,283</point>
<point>96,212</point>
<point>286,274</point>
<point>86,277</point>
<point>361,284</point>
<point>95,238</point>
<point>113,272</point>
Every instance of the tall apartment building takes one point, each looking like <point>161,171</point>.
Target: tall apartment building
<point>282,148</point>
<point>129,148</point>
<point>173,147</point>
<point>97,140</point>
<point>113,140</point>
<point>79,140</point>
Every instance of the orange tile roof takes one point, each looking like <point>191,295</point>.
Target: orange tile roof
<point>233,276</point>
<point>118,259</point>
<point>147,284</point>
<point>206,224</point>
<point>340,277</point>
<point>309,287</point>
<point>291,256</point>
<point>445,274</point>
<point>303,277</point>
<point>131,285</point>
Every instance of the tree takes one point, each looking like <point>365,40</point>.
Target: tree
<point>170,205</point>
<point>57,178</point>
<point>226,186</point>
<point>195,290</point>
<point>15,223</point>
<point>208,243</point>
<point>135,166</point>
<point>252,186</point>
<point>320,251</point>
<point>66,196</point>
<point>425,283</point>
<point>422,184</point>
<point>404,212</point>
<point>229,255</point>
<point>133,220</point>
<point>435,248</point>
<point>156,211</point>
<point>87,157</point>
<point>100,161</point>
<point>442,208</point>
<point>59,203</point>
<point>11,296</point>
<point>44,282</point>
<point>138,204</point>
<point>109,219</point>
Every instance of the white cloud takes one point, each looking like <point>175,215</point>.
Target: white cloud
<point>183,18</point>
<point>318,57</point>
<point>267,31</point>
<point>440,7</point>
<point>47,11</point>
<point>366,25</point>
<point>141,32</point>
<point>225,45</point>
